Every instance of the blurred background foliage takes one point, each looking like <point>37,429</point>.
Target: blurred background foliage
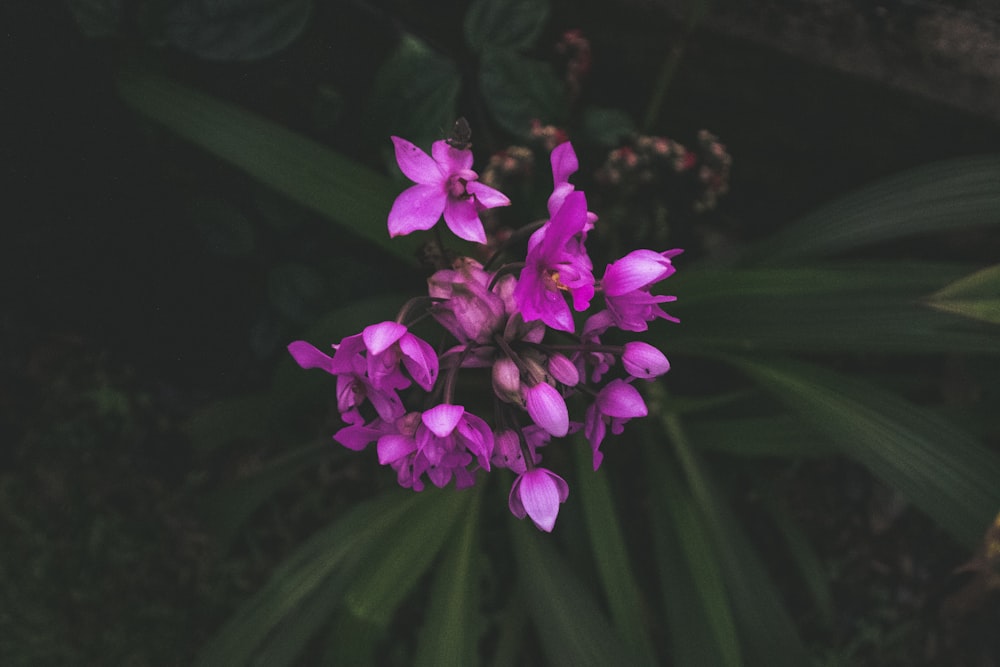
<point>194,184</point>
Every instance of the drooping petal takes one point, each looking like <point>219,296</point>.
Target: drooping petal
<point>564,162</point>
<point>635,270</point>
<point>620,399</point>
<point>415,164</point>
<point>642,360</point>
<point>507,451</point>
<point>418,207</point>
<point>358,436</point>
<point>420,360</point>
<point>547,408</point>
<point>307,355</point>
<point>463,220</point>
<point>540,493</point>
<point>393,447</point>
<point>486,196</point>
<point>477,438</point>
<point>564,370</point>
<point>595,429</point>
<point>442,419</point>
<point>378,337</point>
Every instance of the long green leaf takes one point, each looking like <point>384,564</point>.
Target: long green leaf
<point>452,626</point>
<point>306,172</point>
<point>607,547</point>
<point>941,469</point>
<point>852,308</point>
<point>943,196</point>
<point>768,635</point>
<point>228,509</point>
<point>976,296</point>
<point>335,548</point>
<point>399,558</point>
<point>700,619</point>
<point>753,437</point>
<point>573,630</point>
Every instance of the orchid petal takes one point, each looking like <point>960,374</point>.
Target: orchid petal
<point>415,164</point>
<point>547,408</point>
<point>486,196</point>
<point>451,159</point>
<point>463,220</point>
<point>540,493</point>
<point>638,269</point>
<point>442,419</point>
<point>378,337</point>
<point>622,400</point>
<point>393,447</point>
<point>418,207</point>
<point>420,360</point>
<point>307,355</point>
<point>642,360</point>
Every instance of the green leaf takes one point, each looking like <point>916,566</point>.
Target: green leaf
<point>519,90</point>
<point>753,437</point>
<point>976,296</point>
<point>229,30</point>
<point>504,24</point>
<point>414,94</point>
<point>342,190</point>
<point>700,620</point>
<point>939,197</point>
<point>939,468</point>
<point>333,552</point>
<point>573,630</point>
<point>767,633</point>
<point>852,307</point>
<point>607,547</point>
<point>450,632</point>
<point>228,509</point>
<point>399,558</point>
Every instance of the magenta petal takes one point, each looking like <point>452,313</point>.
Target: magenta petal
<point>462,218</point>
<point>308,356</point>
<point>635,270</point>
<point>486,196</point>
<point>394,447</point>
<point>540,494</point>
<point>378,337</point>
<point>547,408</point>
<point>442,419</point>
<point>622,400</point>
<point>564,162</point>
<point>451,159</point>
<point>418,207</point>
<point>358,436</point>
<point>420,360</point>
<point>415,164</point>
<point>564,370</point>
<point>642,360</point>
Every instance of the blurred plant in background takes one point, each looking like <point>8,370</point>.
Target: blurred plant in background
<point>809,344</point>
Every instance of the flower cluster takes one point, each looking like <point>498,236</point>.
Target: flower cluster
<point>513,326</point>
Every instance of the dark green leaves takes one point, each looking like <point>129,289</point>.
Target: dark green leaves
<point>938,467</point>
<point>344,191</point>
<point>976,296</point>
<point>938,197</point>
<point>414,94</point>
<point>504,24</point>
<point>518,90</point>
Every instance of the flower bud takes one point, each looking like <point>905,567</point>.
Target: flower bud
<point>507,380</point>
<point>642,360</point>
<point>563,370</point>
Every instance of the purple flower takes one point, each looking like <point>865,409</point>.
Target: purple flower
<point>642,360</point>
<point>442,442</point>
<point>564,165</point>
<point>538,493</point>
<point>615,404</point>
<point>557,263</point>
<point>350,368</point>
<point>472,312</point>
<point>626,285</point>
<point>388,344</point>
<point>547,408</point>
<point>445,183</point>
